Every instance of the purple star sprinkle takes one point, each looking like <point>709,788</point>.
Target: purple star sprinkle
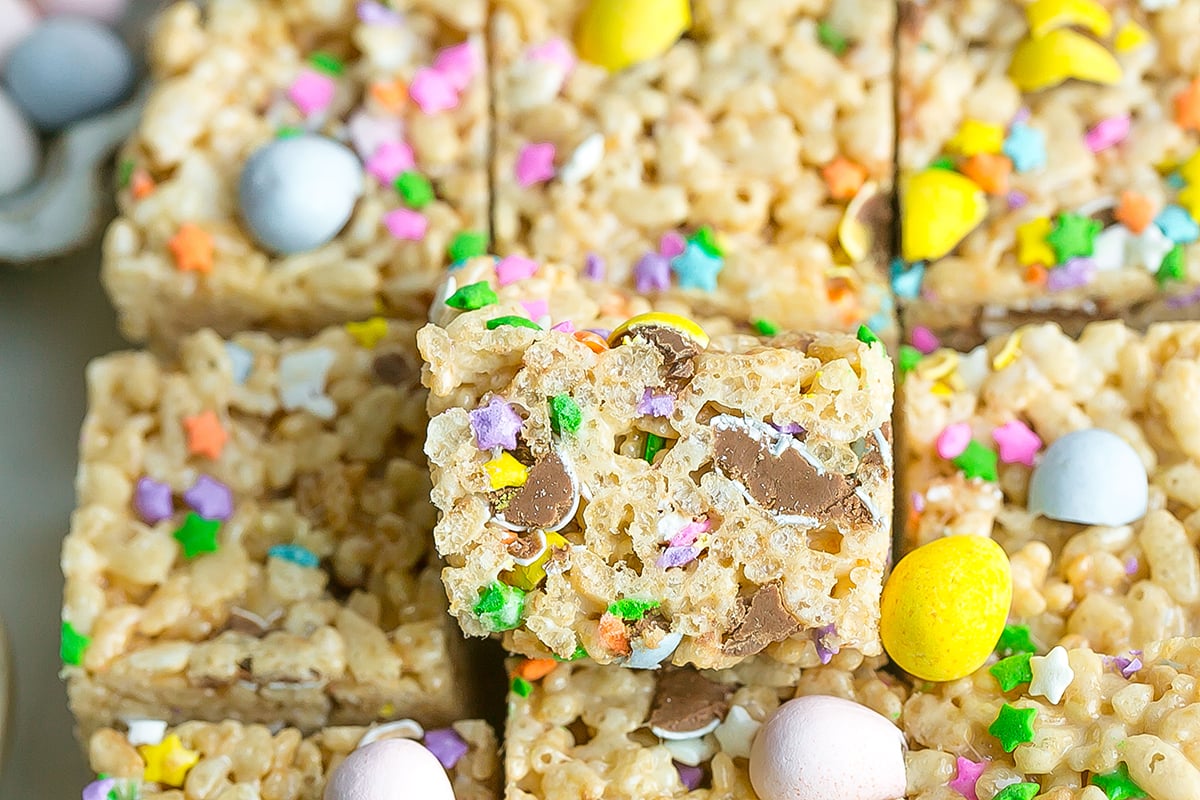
<point>1073,274</point>
<point>152,500</point>
<point>99,790</point>
<point>821,636</point>
<point>690,777</point>
<point>677,557</point>
<point>656,405</point>
<point>372,13</point>
<point>790,428</point>
<point>495,425</point>
<point>652,273</point>
<point>1017,199</point>
<point>210,498</point>
<point>1184,300</point>
<point>446,745</point>
<point>1131,566</point>
<point>1128,666</point>
<point>689,533</point>
<point>593,267</point>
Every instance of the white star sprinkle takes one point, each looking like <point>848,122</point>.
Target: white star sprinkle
<point>302,381</point>
<point>1051,675</point>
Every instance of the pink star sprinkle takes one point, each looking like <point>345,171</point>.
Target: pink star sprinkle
<point>312,92</point>
<point>536,309</point>
<point>511,269</point>
<point>535,164</point>
<point>457,65</point>
<point>672,244</point>
<point>368,133</point>
<point>968,775</point>
<point>566,326</point>
<point>924,340</point>
<point>952,442</point>
<point>1017,443</point>
<point>554,51</point>
<point>433,91</point>
<point>1107,133</point>
<point>390,160</point>
<point>406,225</point>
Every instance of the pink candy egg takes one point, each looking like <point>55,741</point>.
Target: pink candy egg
<point>103,10</point>
<point>17,19</point>
<point>390,769</point>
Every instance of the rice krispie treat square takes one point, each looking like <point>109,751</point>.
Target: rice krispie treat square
<point>252,538</point>
<point>1081,459</point>
<point>652,493</point>
<point>1049,164</point>
<point>749,166</point>
<point>402,85</point>
<point>212,761</point>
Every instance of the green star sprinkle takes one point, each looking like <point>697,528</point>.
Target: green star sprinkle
<point>831,39</point>
<point>579,653</point>
<point>564,414</point>
<point>288,132</point>
<point>197,535</point>
<point>125,172</point>
<point>500,607</point>
<point>977,461</point>
<point>327,63</point>
<point>512,321</point>
<point>1013,726</point>
<point>867,336</point>
<point>1018,791</point>
<point>1172,267</point>
<point>631,609</point>
<point>472,296</point>
<point>765,327</point>
<point>467,244</point>
<point>521,687</point>
<point>72,645</point>
<point>1118,785</point>
<point>414,189</point>
<point>654,445</point>
<point>707,239</point>
<point>1011,672</point>
<point>942,162</point>
<point>1073,235</point>
<point>907,358</point>
<point>1015,639</point>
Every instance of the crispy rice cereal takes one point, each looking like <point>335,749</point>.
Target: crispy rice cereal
<point>732,129</point>
<point>1121,156</point>
<point>658,494</point>
<point>321,603</point>
<point>237,761</point>
<point>225,75</point>
<point>1108,588</point>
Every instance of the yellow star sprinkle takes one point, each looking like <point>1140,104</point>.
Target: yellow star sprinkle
<point>506,471</point>
<point>1189,170</point>
<point>168,762</point>
<point>1032,247</point>
<point>369,332</point>
<point>975,137</point>
<point>1189,198</point>
<point>1130,36</point>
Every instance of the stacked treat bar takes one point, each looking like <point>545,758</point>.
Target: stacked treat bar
<point>584,345</point>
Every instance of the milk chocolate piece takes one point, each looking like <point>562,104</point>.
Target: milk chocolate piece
<point>678,350</point>
<point>765,622</point>
<point>686,701</point>
<point>526,547</point>
<point>547,496</point>
<point>394,369</point>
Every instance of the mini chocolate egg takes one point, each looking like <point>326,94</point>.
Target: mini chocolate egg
<point>19,18</point>
<point>827,748</point>
<point>298,193</point>
<point>68,69</point>
<point>103,10</point>
<point>390,769</point>
<point>1092,477</point>
<point>616,34</point>
<point>21,148</point>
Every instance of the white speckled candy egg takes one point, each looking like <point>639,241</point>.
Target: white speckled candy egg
<point>17,19</point>
<point>20,146</point>
<point>296,194</point>
<point>827,748</point>
<point>104,10</point>
<point>68,69</point>
<point>390,769</point>
<point>1092,477</point>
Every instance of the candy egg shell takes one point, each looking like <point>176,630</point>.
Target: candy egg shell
<point>616,34</point>
<point>297,194</point>
<point>103,10</point>
<point>19,18</point>
<point>1092,477</point>
<point>944,606</point>
<point>68,69</point>
<point>20,145</point>
<point>827,748</point>
<point>390,769</point>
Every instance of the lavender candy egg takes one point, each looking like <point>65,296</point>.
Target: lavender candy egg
<point>20,146</point>
<point>390,769</point>
<point>68,69</point>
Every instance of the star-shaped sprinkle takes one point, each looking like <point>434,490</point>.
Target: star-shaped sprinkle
<point>843,177</point>
<point>145,731</point>
<point>708,240</point>
<point>1172,268</point>
<point>197,535</point>
<point>1177,224</point>
<point>977,461</point>
<point>1074,273</point>
<point>565,414</point>
<point>1118,785</point>
<point>652,273</point>
<point>1026,147</point>
<point>500,607</point>
<point>295,554</point>
<point>924,339</point>
<point>1051,675</point>
<point>1031,242</point>
<point>975,136</point>
<point>192,248</point>
<point>1015,639</point>
<point>967,776</point>
<point>241,362</point>
<point>631,609</point>
<point>1130,36</point>
<point>867,336</point>
<point>536,309</point>
<point>1072,236</point>
<point>467,244</point>
<point>1128,667</point>
<point>210,498</point>
<point>906,282</point>
<point>433,91</point>
<point>594,268</point>
<point>954,440</point>
<point>696,268</point>
<point>521,687</point>
<point>765,327</point>
<point>406,225</point>
<point>656,405</point>
<point>389,161</point>
<point>72,645</point>
<point>414,189</point>
<point>302,376</point>
<point>312,91</point>
<point>671,244</point>
<point>1107,133</point>
<point>205,434</point>
<point>907,358</point>
<point>511,321</point>
<point>511,269</point>
<point>1018,791</point>
<point>1011,672</point>
<point>368,332</point>
<point>472,297</point>
<point>505,471</point>
<point>495,425</point>
<point>1013,726</point>
<point>457,64</point>
<point>446,745</point>
<point>99,789</point>
<point>1018,444</point>
<point>168,762</point>
<point>370,132</point>
<point>1187,107</point>
<point>152,500</point>
<point>535,164</point>
<point>831,38</point>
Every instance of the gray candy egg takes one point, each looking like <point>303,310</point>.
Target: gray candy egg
<point>297,194</point>
<point>68,69</point>
<point>1092,477</point>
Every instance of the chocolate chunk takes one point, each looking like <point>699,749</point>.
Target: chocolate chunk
<point>548,496</point>
<point>678,351</point>
<point>394,369</point>
<point>787,483</point>
<point>876,215</point>
<point>526,547</point>
<point>764,621</point>
<point>872,456</point>
<point>248,622</point>
<point>686,701</point>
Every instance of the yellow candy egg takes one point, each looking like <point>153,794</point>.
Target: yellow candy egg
<point>945,605</point>
<point>938,208</point>
<point>616,34</point>
<point>659,319</point>
<point>1044,61</point>
<point>1048,15</point>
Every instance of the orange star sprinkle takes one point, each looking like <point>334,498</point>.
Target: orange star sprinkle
<point>1135,211</point>
<point>843,177</point>
<point>1187,107</point>
<point>206,436</point>
<point>392,95</point>
<point>141,185</point>
<point>1036,274</point>
<point>611,634</point>
<point>990,170</point>
<point>192,247</point>
<point>533,669</point>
